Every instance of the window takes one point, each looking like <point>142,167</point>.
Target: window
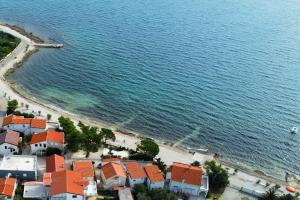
<point>40,145</point>
<point>36,145</point>
<point>45,145</point>
<point>74,196</point>
<point>24,175</point>
<point>5,147</point>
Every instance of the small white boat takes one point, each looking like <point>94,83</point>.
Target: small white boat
<point>202,150</point>
<point>294,130</point>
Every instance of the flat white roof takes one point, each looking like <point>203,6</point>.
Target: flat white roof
<point>125,194</point>
<point>36,190</point>
<point>19,162</point>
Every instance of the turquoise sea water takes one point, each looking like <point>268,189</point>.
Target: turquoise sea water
<point>221,74</point>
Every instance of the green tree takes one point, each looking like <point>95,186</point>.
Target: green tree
<point>11,106</point>
<point>107,134</point>
<point>143,196</point>
<point>7,44</point>
<point>90,138</point>
<point>161,165</point>
<point>148,147</point>
<point>49,116</point>
<point>196,163</point>
<point>218,177</point>
<point>158,194</point>
<point>271,195</point>
<point>72,135</point>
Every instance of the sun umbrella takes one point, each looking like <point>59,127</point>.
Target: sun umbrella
<point>291,189</point>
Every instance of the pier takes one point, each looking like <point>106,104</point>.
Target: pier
<point>48,45</point>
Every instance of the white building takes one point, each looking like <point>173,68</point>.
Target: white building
<point>24,125</point>
<point>187,179</point>
<point>67,185</point>
<point>22,167</point>
<point>112,175</point>
<point>9,141</point>
<point>49,139</point>
<point>35,190</point>
<point>155,178</point>
<point>136,173</point>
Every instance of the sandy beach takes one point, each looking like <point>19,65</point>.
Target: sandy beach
<point>245,177</point>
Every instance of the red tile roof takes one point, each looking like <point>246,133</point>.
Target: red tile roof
<point>67,181</point>
<point>10,137</point>
<point>34,123</point>
<point>7,186</point>
<point>154,174</point>
<point>112,169</point>
<point>186,173</point>
<point>55,163</point>
<point>49,135</point>
<point>135,171</point>
<point>86,168</point>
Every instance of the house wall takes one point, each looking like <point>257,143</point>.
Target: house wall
<point>40,148</point>
<point>134,182</point>
<point>24,128</point>
<point>37,130</point>
<point>8,149</point>
<point>66,196</point>
<point>113,181</point>
<point>168,176</point>
<point>184,188</point>
<point>152,185</point>
<point>20,175</point>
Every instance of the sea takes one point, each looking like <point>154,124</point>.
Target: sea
<point>216,74</point>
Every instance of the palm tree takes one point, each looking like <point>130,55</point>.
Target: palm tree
<point>269,195</point>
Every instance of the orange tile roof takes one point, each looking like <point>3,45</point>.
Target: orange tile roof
<point>21,121</point>
<point>112,169</point>
<point>49,135</point>
<point>55,163</point>
<point>135,171</point>
<point>38,123</point>
<point>86,168</point>
<point>34,123</point>
<point>154,174</point>
<point>186,173</point>
<point>111,160</point>
<point>47,178</point>
<point>67,181</point>
<point>7,120</point>
<point>7,186</point>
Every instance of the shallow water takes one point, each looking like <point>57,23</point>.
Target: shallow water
<point>220,74</point>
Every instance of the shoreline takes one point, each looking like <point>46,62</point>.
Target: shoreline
<point>26,48</point>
